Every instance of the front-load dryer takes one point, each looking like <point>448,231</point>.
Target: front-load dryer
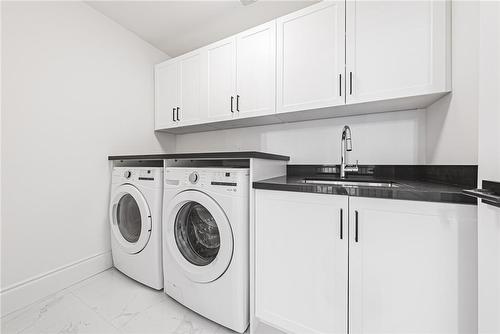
<point>205,242</point>
<point>135,219</point>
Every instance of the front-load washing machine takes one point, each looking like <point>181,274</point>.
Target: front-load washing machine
<point>205,242</point>
<point>135,218</point>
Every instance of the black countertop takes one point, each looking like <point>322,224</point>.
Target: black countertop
<point>406,189</point>
<point>207,155</point>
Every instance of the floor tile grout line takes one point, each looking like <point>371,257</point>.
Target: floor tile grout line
<point>102,317</point>
<point>146,309</point>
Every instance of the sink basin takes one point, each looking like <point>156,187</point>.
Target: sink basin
<point>352,183</point>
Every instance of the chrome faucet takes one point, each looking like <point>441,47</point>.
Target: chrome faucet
<point>346,144</point>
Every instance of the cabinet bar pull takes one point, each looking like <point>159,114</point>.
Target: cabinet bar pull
<point>356,229</point>
<point>350,83</point>
<point>340,84</point>
<point>178,114</point>
<point>232,98</point>
<point>341,225</point>
<point>237,103</point>
<point>173,114</point>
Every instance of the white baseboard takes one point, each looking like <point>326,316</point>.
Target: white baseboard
<point>27,292</point>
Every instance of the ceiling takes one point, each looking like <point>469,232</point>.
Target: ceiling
<point>176,27</point>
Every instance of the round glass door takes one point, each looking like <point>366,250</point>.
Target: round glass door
<point>198,235</point>
<point>130,219</point>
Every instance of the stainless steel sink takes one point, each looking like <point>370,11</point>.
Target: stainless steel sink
<point>349,183</point>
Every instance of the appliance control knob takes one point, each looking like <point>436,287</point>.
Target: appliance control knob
<point>193,177</point>
<point>127,174</point>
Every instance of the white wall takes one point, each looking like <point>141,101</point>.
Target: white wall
<point>452,121</point>
<point>76,88</point>
<point>386,138</point>
<point>489,93</point>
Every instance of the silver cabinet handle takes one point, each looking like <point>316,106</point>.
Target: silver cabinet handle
<point>178,114</point>
<point>237,103</point>
<point>232,98</point>
<point>173,114</point>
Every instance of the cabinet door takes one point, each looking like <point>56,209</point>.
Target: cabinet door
<point>166,94</point>
<point>256,71</point>
<point>301,261</point>
<point>396,49</point>
<point>191,89</point>
<point>311,57</point>
<point>412,267</point>
<point>221,57</point>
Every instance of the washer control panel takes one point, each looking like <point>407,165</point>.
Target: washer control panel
<point>152,176</point>
<point>227,180</point>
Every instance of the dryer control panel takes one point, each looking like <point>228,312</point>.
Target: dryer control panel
<point>227,180</point>
<point>150,176</point>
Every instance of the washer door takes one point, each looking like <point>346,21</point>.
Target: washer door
<point>130,218</point>
<point>198,236</point>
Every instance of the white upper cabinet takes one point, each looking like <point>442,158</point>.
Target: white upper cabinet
<point>191,106</point>
<point>221,59</point>
<point>333,58</point>
<point>179,91</point>
<point>241,74</point>
<point>166,94</point>
<point>256,71</point>
<point>310,57</point>
<point>397,49</point>
<point>412,267</point>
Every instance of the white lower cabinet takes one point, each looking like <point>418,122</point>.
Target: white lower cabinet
<point>410,266</point>
<point>301,261</point>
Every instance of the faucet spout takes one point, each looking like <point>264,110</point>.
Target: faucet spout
<point>346,146</point>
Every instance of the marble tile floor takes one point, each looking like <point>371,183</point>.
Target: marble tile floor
<point>108,302</point>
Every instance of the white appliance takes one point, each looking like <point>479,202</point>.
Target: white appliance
<point>205,242</point>
<point>135,218</point>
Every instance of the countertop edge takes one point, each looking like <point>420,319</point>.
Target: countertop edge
<point>400,194</point>
<point>208,155</point>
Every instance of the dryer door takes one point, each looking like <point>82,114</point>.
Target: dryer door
<point>198,236</point>
<point>130,218</point>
